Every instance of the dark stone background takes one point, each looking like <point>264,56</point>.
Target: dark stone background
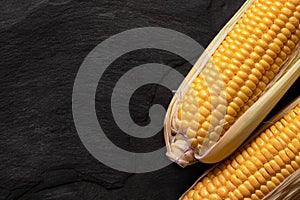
<point>43,43</point>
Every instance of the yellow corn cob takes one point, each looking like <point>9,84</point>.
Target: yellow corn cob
<point>253,53</point>
<point>257,168</point>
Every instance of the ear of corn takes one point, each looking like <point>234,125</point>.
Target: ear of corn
<point>247,68</point>
<point>265,167</point>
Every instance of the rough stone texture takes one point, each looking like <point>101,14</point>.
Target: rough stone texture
<point>43,43</point>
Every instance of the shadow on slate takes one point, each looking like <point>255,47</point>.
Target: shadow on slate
<point>43,44</point>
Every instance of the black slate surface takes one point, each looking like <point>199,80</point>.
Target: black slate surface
<point>43,44</point>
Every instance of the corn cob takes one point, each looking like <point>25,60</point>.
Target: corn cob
<point>257,168</point>
<point>254,52</point>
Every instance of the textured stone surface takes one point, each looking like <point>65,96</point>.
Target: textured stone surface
<point>43,43</point>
